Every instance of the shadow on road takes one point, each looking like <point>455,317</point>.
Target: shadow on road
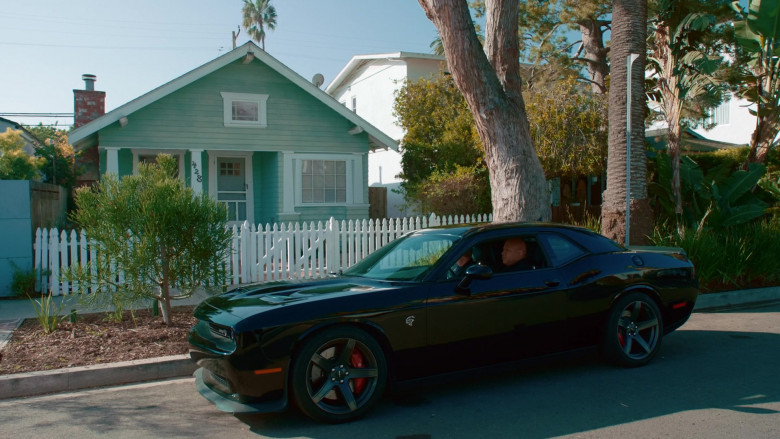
<point>695,370</point>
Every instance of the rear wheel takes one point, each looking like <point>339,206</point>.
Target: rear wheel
<point>634,331</point>
<point>338,374</point>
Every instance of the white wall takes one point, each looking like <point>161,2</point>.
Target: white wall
<point>373,86</point>
<point>738,129</point>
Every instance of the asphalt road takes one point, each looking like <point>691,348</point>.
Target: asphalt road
<point>717,377</point>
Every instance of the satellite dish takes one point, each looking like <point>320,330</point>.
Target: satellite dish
<point>318,80</point>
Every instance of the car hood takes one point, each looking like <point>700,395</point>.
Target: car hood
<point>250,300</point>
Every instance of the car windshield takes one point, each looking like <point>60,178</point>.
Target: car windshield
<point>406,258</point>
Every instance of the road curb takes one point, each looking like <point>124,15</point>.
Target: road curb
<point>731,299</point>
<point>83,377</point>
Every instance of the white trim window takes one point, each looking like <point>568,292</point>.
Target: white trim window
<point>244,110</point>
<point>721,114</point>
<point>323,181</point>
<point>150,156</point>
<point>327,179</point>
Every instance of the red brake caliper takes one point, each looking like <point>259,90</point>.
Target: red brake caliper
<point>358,362</point>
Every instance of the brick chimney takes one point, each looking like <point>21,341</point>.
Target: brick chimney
<point>88,104</point>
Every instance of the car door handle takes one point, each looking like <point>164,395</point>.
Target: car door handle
<point>552,283</point>
<point>582,277</point>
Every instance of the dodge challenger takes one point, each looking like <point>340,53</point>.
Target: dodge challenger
<point>432,302</point>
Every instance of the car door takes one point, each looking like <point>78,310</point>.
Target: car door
<point>507,316</point>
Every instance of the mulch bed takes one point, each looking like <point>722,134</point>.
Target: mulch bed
<point>95,339</point>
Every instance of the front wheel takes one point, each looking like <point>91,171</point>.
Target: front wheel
<point>634,331</point>
<point>338,374</point>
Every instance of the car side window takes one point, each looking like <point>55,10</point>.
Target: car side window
<point>512,254</point>
<point>562,249</point>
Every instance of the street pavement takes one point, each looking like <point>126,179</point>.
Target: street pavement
<point>13,312</point>
<point>714,378</point>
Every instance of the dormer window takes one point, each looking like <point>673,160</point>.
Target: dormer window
<point>244,110</point>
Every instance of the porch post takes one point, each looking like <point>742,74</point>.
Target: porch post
<point>196,176</point>
<point>112,160</point>
<point>288,184</point>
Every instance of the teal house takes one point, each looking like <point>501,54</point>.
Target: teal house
<point>256,136</point>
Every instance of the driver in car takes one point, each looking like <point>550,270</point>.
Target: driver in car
<point>513,256</point>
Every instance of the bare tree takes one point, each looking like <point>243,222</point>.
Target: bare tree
<point>490,81</point>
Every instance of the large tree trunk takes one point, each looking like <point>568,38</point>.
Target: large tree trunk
<point>629,30</point>
<point>767,127</point>
<point>672,105</point>
<point>595,54</point>
<point>489,79</point>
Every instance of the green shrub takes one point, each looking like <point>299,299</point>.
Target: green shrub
<point>737,257</point>
<point>153,231</point>
<point>22,281</point>
<point>590,222</point>
<point>48,316</point>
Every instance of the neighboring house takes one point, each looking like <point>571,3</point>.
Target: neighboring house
<point>733,123</point>
<point>247,130</point>
<point>367,85</point>
<point>31,142</point>
<point>729,125</point>
<point>692,141</point>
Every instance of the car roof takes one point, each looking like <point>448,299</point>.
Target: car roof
<point>475,228</point>
<point>593,241</point>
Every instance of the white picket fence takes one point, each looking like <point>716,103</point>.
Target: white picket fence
<point>257,254</point>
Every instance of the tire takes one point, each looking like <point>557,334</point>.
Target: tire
<point>634,331</point>
<point>338,374</point>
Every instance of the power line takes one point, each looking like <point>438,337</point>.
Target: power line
<point>38,114</point>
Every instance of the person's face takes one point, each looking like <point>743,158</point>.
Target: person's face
<point>465,259</point>
<point>513,252</point>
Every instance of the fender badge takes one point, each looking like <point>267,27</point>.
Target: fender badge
<point>410,320</point>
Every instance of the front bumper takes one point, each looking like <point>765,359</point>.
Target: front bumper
<point>237,376</point>
<point>232,403</point>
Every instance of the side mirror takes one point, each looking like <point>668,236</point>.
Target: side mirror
<point>481,272</point>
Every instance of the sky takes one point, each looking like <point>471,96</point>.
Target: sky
<point>135,46</point>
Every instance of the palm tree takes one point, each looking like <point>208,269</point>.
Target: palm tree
<point>629,30</point>
<point>684,69</point>
<point>258,16</point>
<point>758,34</point>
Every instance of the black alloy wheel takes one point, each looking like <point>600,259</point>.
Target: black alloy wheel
<point>338,374</point>
<point>634,331</point>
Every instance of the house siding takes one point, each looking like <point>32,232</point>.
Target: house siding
<point>192,117</point>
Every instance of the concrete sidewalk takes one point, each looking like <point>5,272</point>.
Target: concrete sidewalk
<point>13,312</point>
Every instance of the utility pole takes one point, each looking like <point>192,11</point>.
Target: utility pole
<point>235,36</point>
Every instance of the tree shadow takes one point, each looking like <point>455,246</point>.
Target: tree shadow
<point>695,370</point>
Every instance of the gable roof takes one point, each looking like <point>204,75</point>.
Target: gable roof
<point>359,61</point>
<point>377,139</point>
<point>691,141</point>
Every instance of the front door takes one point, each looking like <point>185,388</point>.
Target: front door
<point>233,188</point>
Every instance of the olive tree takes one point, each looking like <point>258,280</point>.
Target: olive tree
<point>153,236</point>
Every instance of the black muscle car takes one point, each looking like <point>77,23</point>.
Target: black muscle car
<point>432,302</point>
